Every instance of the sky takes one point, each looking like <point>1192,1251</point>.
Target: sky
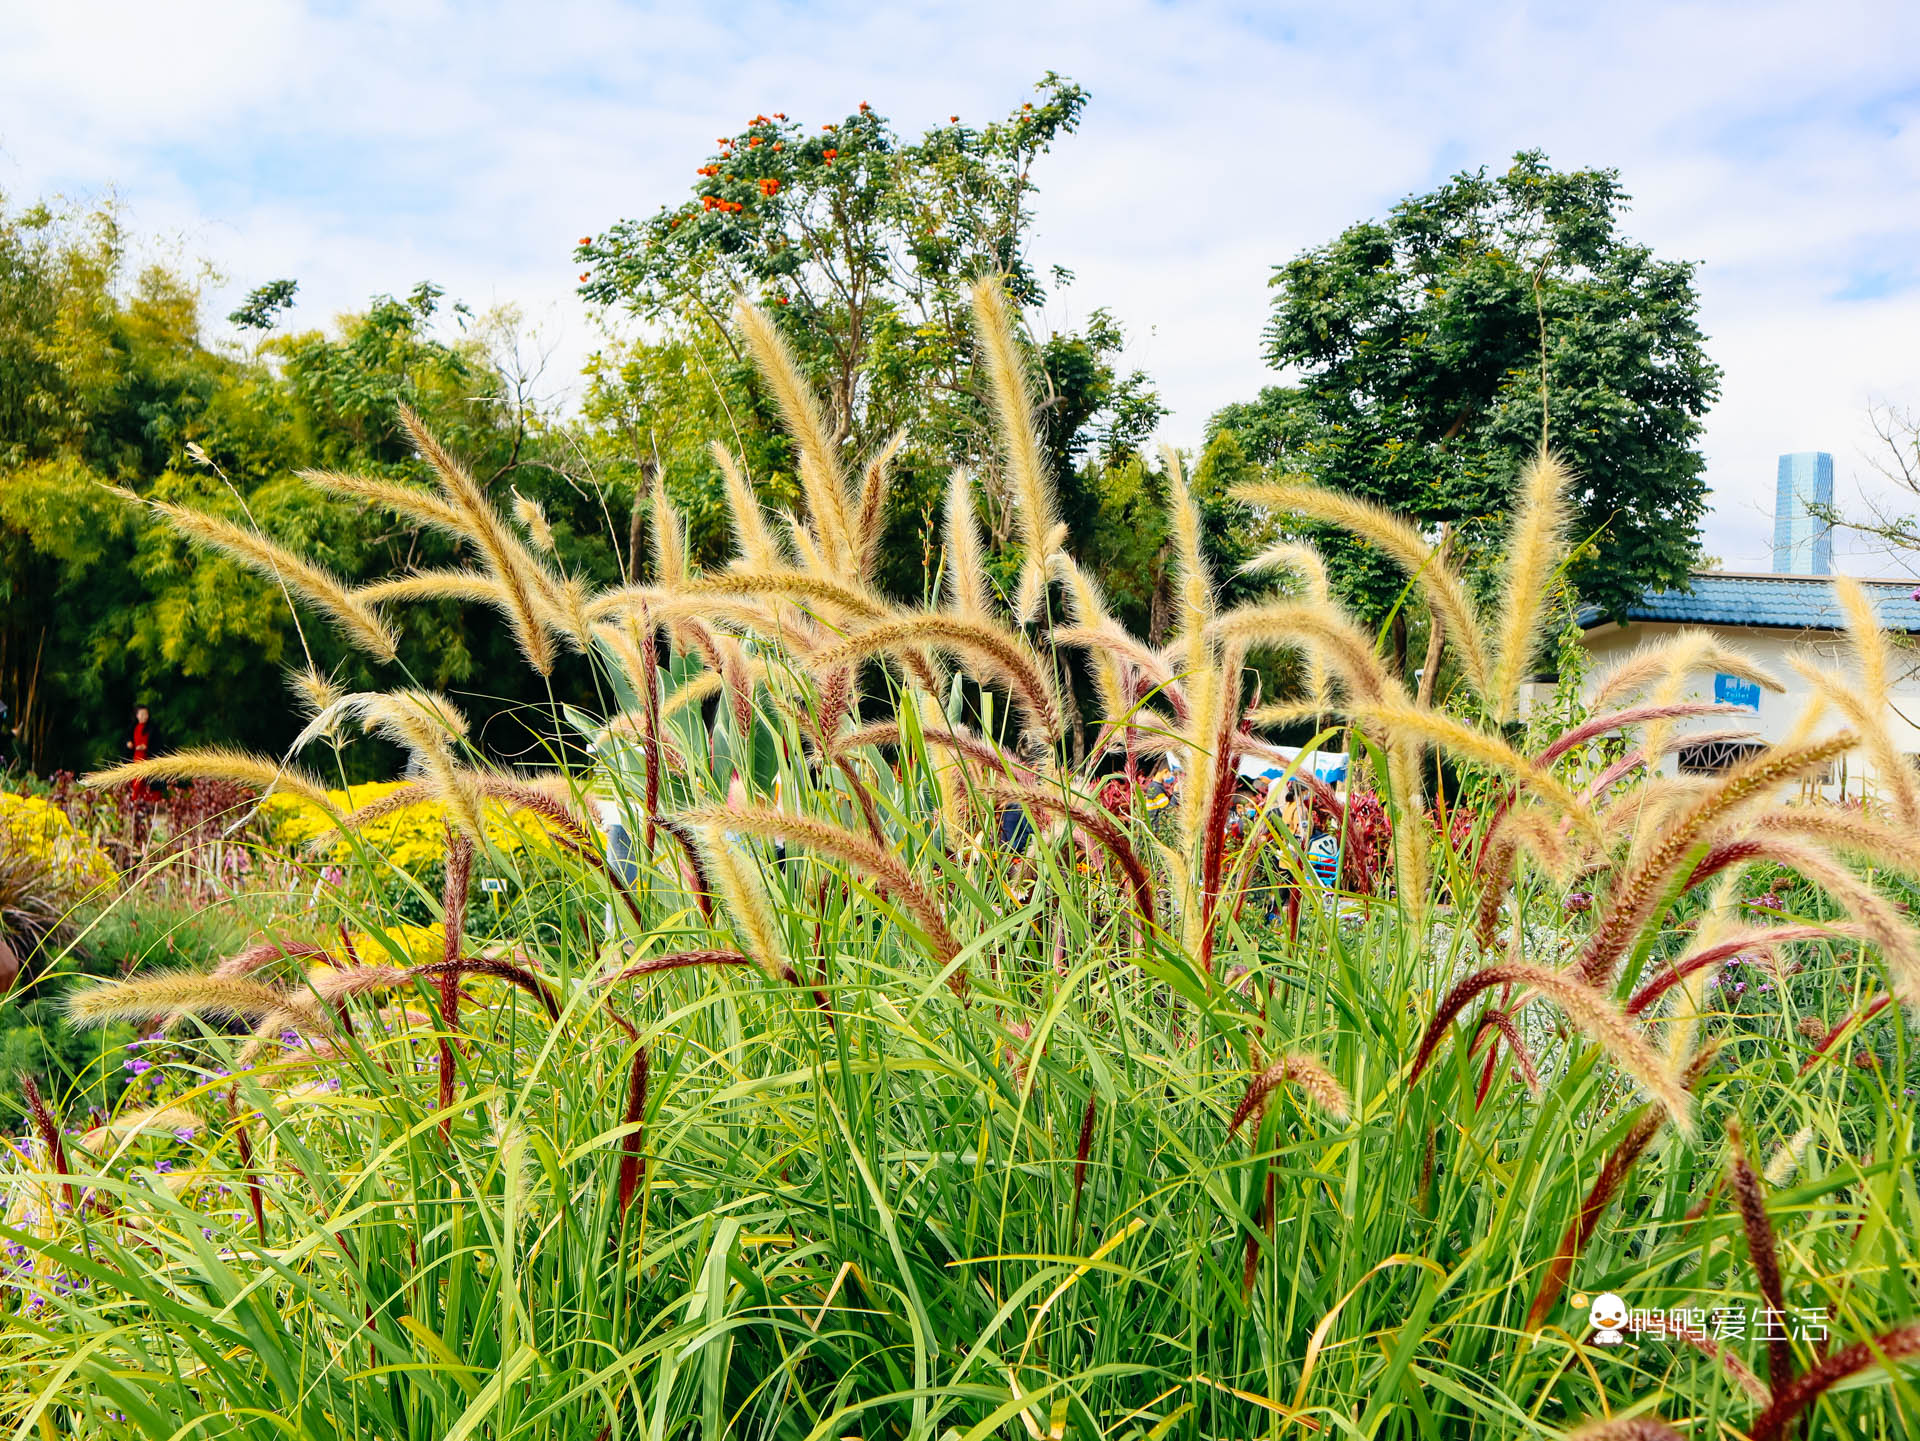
<point>361,148</point>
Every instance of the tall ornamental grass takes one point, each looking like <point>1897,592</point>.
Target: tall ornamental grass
<point>790,1100</point>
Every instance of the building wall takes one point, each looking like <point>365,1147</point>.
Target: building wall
<point>1803,545</point>
<point>1777,712</point>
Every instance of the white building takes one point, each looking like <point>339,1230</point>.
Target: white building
<point>1768,617</point>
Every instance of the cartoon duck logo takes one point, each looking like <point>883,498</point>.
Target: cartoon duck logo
<point>1609,1315</point>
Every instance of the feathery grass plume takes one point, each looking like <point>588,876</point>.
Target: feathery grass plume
<point>1592,1013</point>
<point>858,851</point>
<point>426,724</point>
<point>633,1148</point>
<point>1445,593</point>
<point>169,1116</point>
<point>1715,947</point>
<point>1597,788</point>
<point>1087,1118</point>
<point>820,473</point>
<point>161,993</point>
<point>1865,708</point>
<point>1891,933</point>
<point>1488,749</point>
<point>837,595</point>
<point>1617,720</point>
<point>1035,513</point>
<point>966,577</point>
<point>869,520</point>
<point>1852,832</point>
<point>1207,683</point>
<point>424,585</point>
<point>1305,562</point>
<point>1501,1022</point>
<point>446,985</point>
<point>258,957</point>
<point>1347,650</point>
<point>1535,545</point>
<point>1680,655</point>
<point>754,545</point>
<point>1785,1161</point>
<point>516,975</point>
<point>533,519</point>
<point>669,537</point>
<point>1306,1075</point>
<point>48,1130</point>
<point>1752,1202</point>
<point>678,961</point>
<point>1111,639</point>
<point>1626,1428</point>
<point>336,985</point>
<point>1871,657</point>
<point>1748,784</point>
<point>409,501</point>
<point>1900,1344</point>
<point>1000,654</point>
<point>528,591</point>
<point>217,763</point>
<point>313,690</point>
<point>740,886</point>
<point>352,616</point>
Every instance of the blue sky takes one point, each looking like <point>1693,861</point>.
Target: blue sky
<point>361,148</point>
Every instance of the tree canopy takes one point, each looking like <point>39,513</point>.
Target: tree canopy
<point>1414,349</point>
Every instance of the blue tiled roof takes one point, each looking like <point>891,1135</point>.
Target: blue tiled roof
<point>1785,602</point>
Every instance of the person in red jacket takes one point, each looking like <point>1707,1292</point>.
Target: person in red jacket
<point>143,744</point>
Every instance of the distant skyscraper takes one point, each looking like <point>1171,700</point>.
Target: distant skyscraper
<point>1802,543</point>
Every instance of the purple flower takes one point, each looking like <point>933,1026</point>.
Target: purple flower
<point>183,1133</point>
<point>1577,902</point>
<point>290,1038</point>
<point>137,1067</point>
<point>163,1166</point>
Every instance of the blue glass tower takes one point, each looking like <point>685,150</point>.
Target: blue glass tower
<point>1802,543</point>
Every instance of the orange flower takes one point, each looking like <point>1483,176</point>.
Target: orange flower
<point>752,140</point>
<point>583,277</point>
<point>779,115</point>
<point>586,240</point>
<point>953,119</point>
<point>864,107</point>
<point>769,186</point>
<point>778,144</point>
<point>830,154</point>
<point>781,299</point>
<point>829,128</point>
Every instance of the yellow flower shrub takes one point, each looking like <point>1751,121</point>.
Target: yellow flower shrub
<point>411,837</point>
<point>36,831</point>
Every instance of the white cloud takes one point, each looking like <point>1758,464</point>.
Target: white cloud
<point>364,147</point>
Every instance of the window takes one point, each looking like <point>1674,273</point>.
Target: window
<point>1715,756</point>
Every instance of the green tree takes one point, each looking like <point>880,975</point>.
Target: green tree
<point>862,245</point>
<point>1417,343</point>
<point>109,383</point>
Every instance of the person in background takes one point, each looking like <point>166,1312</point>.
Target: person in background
<point>142,745</point>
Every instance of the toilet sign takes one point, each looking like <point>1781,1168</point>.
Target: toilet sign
<point>1733,690</point>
